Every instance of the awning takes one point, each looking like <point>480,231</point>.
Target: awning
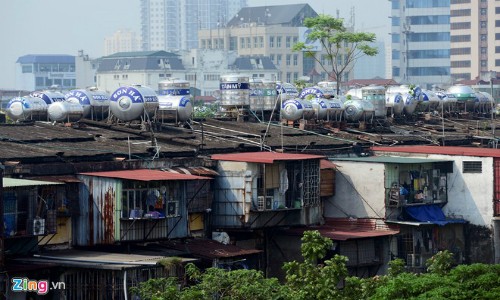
<point>15,182</point>
<point>146,175</point>
<point>430,214</point>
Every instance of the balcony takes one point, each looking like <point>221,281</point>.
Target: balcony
<point>399,196</point>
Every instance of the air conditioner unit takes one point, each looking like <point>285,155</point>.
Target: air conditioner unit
<point>261,202</point>
<point>38,226</point>
<point>414,260</point>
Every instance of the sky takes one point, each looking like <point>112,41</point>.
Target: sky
<point>67,26</point>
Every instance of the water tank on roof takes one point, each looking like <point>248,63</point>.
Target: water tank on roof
<point>295,109</point>
<point>95,103</point>
<point>235,91</point>
<point>174,86</point>
<point>27,108</point>
<point>129,103</point>
<point>174,108</point>
<point>286,90</point>
<point>49,96</point>
<point>65,111</point>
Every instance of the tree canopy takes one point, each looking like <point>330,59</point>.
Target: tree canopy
<point>341,46</point>
<point>316,278</point>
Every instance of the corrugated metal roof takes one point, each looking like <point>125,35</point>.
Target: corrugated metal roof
<point>342,229</point>
<point>326,164</point>
<point>390,159</point>
<point>98,260</point>
<point>210,249</point>
<point>15,182</point>
<point>264,157</point>
<point>463,151</point>
<point>145,175</point>
<point>198,171</point>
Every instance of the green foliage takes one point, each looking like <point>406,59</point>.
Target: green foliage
<point>342,47</point>
<point>396,267</point>
<point>316,278</point>
<point>157,289</point>
<point>170,262</point>
<point>217,283</point>
<point>204,111</point>
<point>440,263</point>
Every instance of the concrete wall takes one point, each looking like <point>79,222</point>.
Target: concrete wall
<point>359,191</point>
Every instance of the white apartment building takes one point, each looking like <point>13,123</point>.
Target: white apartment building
<point>173,24</point>
<point>475,38</point>
<point>123,40</point>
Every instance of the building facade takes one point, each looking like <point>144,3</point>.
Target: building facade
<point>123,40</point>
<point>475,36</point>
<point>173,25</point>
<point>421,42</point>
<point>269,31</point>
<point>40,72</point>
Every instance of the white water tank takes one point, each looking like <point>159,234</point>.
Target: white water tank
<point>49,96</point>
<point>65,111</point>
<point>295,109</point>
<point>128,103</point>
<point>174,108</point>
<point>26,108</point>
<point>95,103</point>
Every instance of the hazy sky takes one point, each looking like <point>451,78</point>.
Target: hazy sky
<point>66,26</point>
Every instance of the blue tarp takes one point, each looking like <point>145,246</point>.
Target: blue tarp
<point>431,214</point>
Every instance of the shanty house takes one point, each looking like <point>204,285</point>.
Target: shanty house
<point>132,206</point>
<point>266,189</point>
<point>412,193</point>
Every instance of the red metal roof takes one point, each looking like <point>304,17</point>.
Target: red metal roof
<point>264,157</point>
<point>326,164</point>
<point>348,229</point>
<point>463,151</point>
<point>145,175</point>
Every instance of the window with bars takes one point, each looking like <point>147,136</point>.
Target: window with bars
<point>472,167</point>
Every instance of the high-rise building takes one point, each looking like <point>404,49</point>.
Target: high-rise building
<point>475,36</point>
<point>174,24</point>
<point>421,42</point>
<point>122,40</point>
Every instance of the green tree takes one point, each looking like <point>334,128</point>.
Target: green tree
<point>342,46</point>
<point>314,278</point>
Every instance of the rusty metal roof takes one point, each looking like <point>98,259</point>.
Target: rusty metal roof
<point>448,150</point>
<point>348,229</point>
<point>198,171</point>
<point>145,175</point>
<point>264,157</point>
<point>209,249</point>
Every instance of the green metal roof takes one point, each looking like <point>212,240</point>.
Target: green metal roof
<point>15,182</point>
<point>390,159</point>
